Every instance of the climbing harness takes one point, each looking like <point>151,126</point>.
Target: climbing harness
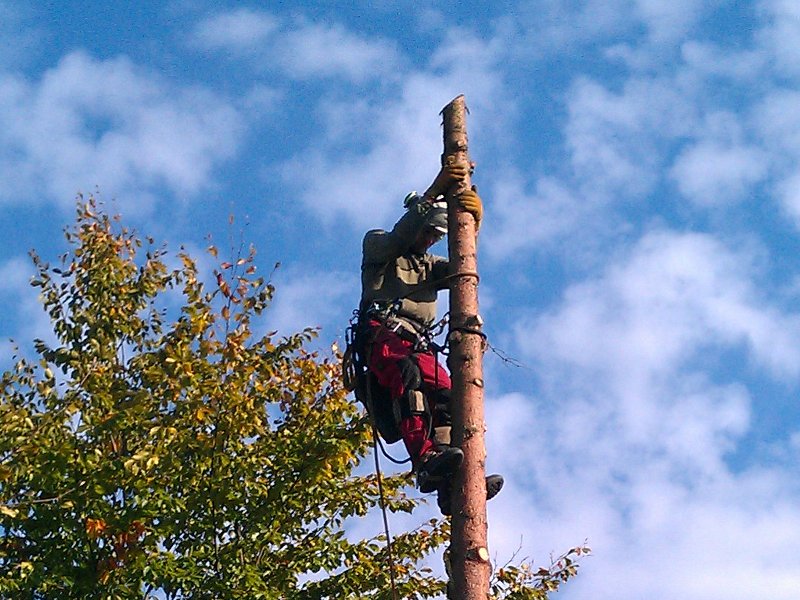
<point>358,379</point>
<point>364,327</point>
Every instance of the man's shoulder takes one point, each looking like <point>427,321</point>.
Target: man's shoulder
<point>374,233</point>
<point>376,245</point>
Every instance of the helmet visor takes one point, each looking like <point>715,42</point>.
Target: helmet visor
<point>437,220</point>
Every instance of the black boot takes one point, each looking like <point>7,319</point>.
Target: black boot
<point>494,483</point>
<point>437,465</point>
<point>444,492</point>
<point>444,497</point>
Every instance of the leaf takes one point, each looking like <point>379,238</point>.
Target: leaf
<point>95,527</point>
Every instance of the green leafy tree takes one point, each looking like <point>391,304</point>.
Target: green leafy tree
<point>152,451</point>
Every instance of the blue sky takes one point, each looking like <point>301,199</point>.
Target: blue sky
<point>638,161</point>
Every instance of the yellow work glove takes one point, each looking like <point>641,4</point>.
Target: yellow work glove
<point>471,202</point>
<point>449,175</point>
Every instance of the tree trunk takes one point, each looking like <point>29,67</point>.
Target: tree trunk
<point>469,556</point>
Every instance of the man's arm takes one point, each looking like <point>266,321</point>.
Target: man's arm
<point>439,271</point>
<point>383,246</point>
<point>380,246</point>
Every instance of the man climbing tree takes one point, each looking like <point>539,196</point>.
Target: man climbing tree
<point>400,280</point>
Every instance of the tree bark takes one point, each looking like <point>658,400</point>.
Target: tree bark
<point>469,556</point>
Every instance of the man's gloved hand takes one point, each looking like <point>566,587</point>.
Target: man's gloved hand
<point>449,175</point>
<point>455,172</point>
<point>471,202</point>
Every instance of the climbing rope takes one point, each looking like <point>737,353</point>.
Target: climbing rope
<point>389,552</point>
<point>391,458</point>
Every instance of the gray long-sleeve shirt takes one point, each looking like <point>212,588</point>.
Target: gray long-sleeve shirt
<point>390,271</point>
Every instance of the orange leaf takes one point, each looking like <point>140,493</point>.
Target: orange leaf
<point>95,527</point>
<point>137,527</point>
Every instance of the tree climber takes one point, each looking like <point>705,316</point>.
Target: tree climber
<point>400,281</point>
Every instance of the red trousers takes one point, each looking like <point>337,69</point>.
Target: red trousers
<point>387,350</point>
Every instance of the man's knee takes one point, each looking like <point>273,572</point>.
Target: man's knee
<point>414,404</point>
<point>409,373</point>
<point>441,436</point>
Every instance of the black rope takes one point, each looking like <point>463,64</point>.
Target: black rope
<point>385,452</point>
<point>389,552</point>
<point>508,360</point>
<point>376,442</point>
<point>375,436</point>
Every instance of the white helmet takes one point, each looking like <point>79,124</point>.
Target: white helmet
<point>435,212</point>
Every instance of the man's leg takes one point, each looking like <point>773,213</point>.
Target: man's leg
<point>431,461</point>
<point>394,367</point>
<point>436,387</point>
<point>437,381</point>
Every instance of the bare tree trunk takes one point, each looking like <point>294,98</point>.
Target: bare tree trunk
<point>469,556</point>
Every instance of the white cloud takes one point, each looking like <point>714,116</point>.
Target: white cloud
<point>300,49</point>
<point>669,21</point>
<point>553,26</point>
<point>15,274</point>
<point>777,121</point>
<point>650,28</point>
<point>399,141</point>
<point>777,117</point>
<point>677,294</point>
<point>710,173</point>
<point>651,538</point>
<point>616,141</point>
<point>22,308</point>
<point>332,51</point>
<point>241,29</point>
<point>781,35</point>
<point>90,123</point>
<point>262,100</point>
<point>620,352</point>
<point>521,221</point>
<point>619,147</point>
<point>317,299</point>
<point>707,59</point>
<point>789,194</point>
